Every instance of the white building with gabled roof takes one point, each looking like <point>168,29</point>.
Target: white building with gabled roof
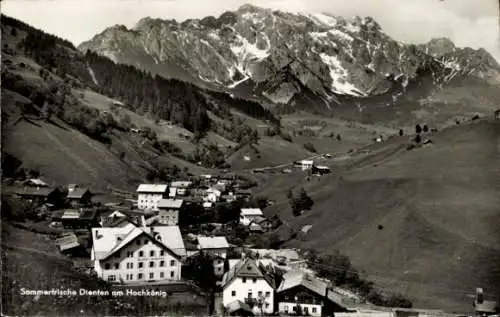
<point>133,254</point>
<point>247,283</point>
<point>148,195</point>
<point>249,215</point>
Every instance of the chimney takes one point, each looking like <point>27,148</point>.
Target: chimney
<point>479,295</point>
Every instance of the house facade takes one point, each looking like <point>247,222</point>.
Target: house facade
<point>137,254</point>
<point>217,247</point>
<point>301,294</point>
<point>247,283</point>
<point>168,211</point>
<point>79,197</point>
<point>306,164</point>
<point>249,215</point>
<point>179,188</point>
<point>148,195</point>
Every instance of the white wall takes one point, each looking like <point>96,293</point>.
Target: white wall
<point>283,305</point>
<point>246,220</point>
<point>242,290</point>
<point>148,200</point>
<point>169,217</point>
<point>169,272</point>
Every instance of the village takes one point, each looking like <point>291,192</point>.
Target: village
<point>162,235</point>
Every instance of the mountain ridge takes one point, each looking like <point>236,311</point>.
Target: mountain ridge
<point>260,41</point>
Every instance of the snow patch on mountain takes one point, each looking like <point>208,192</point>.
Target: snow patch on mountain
<point>94,79</point>
<point>324,19</point>
<point>338,74</point>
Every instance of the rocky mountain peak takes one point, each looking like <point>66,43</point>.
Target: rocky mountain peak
<point>325,54</point>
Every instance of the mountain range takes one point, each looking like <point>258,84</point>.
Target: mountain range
<point>316,62</point>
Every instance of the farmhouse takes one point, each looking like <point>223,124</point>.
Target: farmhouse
<point>169,211</point>
<point>78,197</point>
<point>249,284</point>
<point>301,294</point>
<point>212,195</point>
<point>306,164</point>
<point>179,188</point>
<point>149,195</point>
<point>79,219</point>
<point>40,194</point>
<point>217,247</point>
<point>248,215</point>
<point>137,254</point>
<point>320,169</point>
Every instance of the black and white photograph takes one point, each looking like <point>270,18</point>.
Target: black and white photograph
<point>212,158</point>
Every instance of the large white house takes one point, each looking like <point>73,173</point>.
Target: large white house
<point>248,215</point>
<point>217,247</point>
<point>134,254</point>
<point>248,284</point>
<point>148,195</point>
<point>169,211</point>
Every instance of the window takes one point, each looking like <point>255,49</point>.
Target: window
<point>244,280</point>
<point>172,273</point>
<point>286,308</point>
<point>259,293</point>
<point>268,294</point>
<point>146,241</point>
<point>117,266</point>
<point>117,254</point>
<point>306,310</point>
<point>267,305</point>
<point>151,264</point>
<point>130,254</point>
<point>139,276</point>
<point>295,308</point>
<point>162,253</point>
<point>111,278</point>
<point>107,266</point>
<point>254,280</point>
<point>138,242</point>
<point>151,253</point>
<point>141,254</point>
<point>162,275</point>
<point>314,309</point>
<point>233,293</point>
<point>162,263</point>
<point>151,276</point>
<point>141,265</point>
<point>172,263</point>
<point>250,294</point>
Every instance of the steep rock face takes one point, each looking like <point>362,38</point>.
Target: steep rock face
<point>285,54</point>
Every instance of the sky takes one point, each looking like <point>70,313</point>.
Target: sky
<point>473,23</point>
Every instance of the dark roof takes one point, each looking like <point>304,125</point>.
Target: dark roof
<point>88,214</point>
<point>246,268</point>
<point>78,193</point>
<point>36,191</point>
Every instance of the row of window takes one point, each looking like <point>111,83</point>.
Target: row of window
<point>244,280</point>
<point>140,276</point>
<point>140,254</point>
<point>305,310</point>
<point>130,265</point>
<point>250,294</point>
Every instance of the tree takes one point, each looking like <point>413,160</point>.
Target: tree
<point>425,128</point>
<point>339,138</point>
<point>121,155</point>
<point>301,203</point>
<point>401,132</point>
<point>418,128</point>
<point>418,139</point>
<point>310,147</point>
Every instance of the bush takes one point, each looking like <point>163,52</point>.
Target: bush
<point>425,128</point>
<point>310,147</point>
<point>401,132</point>
<point>418,129</point>
<point>418,139</point>
<point>300,203</point>
<point>286,136</point>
